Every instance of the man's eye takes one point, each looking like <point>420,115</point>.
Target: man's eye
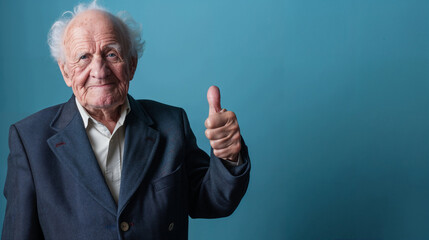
<point>83,57</point>
<point>111,55</point>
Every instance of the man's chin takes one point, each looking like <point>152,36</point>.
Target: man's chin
<point>105,104</point>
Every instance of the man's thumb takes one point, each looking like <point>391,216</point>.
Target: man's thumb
<point>213,97</point>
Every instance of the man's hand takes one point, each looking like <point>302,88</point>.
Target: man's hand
<point>222,128</point>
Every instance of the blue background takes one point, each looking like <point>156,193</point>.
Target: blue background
<point>332,98</point>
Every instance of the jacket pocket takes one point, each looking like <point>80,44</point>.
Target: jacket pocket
<point>168,181</point>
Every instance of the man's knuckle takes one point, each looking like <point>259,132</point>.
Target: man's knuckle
<point>207,123</point>
<point>232,115</point>
<point>236,148</point>
<point>234,128</point>
<point>236,138</point>
<point>216,152</point>
<point>215,144</point>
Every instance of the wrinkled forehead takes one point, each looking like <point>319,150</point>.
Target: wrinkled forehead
<point>92,19</point>
<point>93,25</point>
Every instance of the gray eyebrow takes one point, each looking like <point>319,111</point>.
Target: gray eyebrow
<point>115,46</point>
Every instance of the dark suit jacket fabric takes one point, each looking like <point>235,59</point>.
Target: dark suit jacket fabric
<point>56,190</point>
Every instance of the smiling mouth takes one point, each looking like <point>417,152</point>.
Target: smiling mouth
<point>102,85</point>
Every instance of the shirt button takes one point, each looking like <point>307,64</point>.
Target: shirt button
<point>170,227</point>
<point>124,226</point>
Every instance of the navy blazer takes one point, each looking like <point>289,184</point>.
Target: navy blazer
<point>56,190</point>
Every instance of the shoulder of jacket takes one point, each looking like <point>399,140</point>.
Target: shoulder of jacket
<point>151,106</point>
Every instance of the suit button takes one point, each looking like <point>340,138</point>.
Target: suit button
<point>124,226</point>
<point>170,227</point>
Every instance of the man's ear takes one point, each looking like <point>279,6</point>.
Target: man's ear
<point>64,72</point>
<point>133,66</point>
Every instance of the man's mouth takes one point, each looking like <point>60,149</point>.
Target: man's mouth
<point>101,85</point>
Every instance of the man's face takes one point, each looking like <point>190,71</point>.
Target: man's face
<point>98,67</point>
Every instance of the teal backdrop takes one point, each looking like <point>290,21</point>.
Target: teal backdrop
<point>332,98</point>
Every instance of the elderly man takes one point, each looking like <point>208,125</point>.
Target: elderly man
<point>106,166</point>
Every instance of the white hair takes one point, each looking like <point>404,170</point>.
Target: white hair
<point>132,30</point>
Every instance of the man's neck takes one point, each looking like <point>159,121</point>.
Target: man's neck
<point>107,117</point>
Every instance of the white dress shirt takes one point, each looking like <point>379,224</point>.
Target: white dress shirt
<point>107,147</point>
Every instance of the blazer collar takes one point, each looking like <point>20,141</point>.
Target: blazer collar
<point>65,114</point>
<point>141,142</point>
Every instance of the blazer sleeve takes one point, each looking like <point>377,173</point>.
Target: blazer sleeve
<point>215,189</point>
<point>21,219</point>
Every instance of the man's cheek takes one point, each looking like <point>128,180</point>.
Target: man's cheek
<point>81,78</point>
<point>71,71</point>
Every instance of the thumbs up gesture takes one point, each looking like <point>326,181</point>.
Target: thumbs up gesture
<point>222,128</point>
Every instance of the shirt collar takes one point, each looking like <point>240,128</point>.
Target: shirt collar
<point>125,109</point>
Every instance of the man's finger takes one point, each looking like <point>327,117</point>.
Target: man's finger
<point>215,134</point>
<point>213,98</point>
<point>220,120</point>
<point>225,142</point>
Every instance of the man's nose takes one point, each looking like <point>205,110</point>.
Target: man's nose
<point>99,68</point>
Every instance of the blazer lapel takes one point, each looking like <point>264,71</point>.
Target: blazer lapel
<point>72,147</point>
<point>141,142</point>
